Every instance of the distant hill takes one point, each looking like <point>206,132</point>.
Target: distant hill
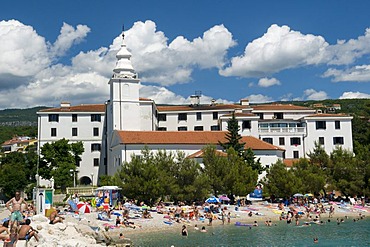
<point>19,115</point>
<point>18,122</point>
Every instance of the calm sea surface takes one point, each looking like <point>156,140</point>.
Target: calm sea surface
<point>348,233</point>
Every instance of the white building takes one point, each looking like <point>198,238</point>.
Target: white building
<point>115,131</point>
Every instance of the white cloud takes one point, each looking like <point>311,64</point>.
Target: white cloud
<point>162,95</point>
<point>266,82</point>
<point>258,98</point>
<point>278,49</point>
<point>31,73</point>
<point>311,94</point>
<point>168,64</point>
<point>346,52</point>
<point>360,73</point>
<point>354,95</point>
<point>23,52</point>
<point>68,36</point>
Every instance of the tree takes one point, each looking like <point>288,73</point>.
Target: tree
<point>57,161</point>
<point>348,173</point>
<point>240,179</point>
<point>250,159</point>
<point>279,182</point>
<point>312,176</point>
<point>13,173</point>
<point>215,168</point>
<point>232,136</point>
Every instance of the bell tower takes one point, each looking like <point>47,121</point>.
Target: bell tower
<point>123,107</point>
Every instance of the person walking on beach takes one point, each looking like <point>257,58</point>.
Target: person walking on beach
<point>331,211</point>
<point>14,205</point>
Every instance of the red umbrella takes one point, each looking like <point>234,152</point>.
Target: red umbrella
<point>84,207</point>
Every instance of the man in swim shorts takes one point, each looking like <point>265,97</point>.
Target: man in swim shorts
<point>14,205</point>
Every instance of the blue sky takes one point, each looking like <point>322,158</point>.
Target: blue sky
<point>53,51</point>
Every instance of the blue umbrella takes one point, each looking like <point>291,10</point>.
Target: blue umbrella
<point>213,199</point>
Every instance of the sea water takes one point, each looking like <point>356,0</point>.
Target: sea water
<point>348,233</point>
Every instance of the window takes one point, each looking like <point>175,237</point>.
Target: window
<point>199,116</point>
<point>162,117</point>
<point>281,141</point>
<point>260,115</point>
<point>95,117</point>
<point>74,131</point>
<point>74,117</point>
<point>53,117</point>
<point>338,140</point>
<point>267,139</point>
<point>246,124</point>
<point>337,125</point>
<point>95,147</point>
<point>321,141</point>
<point>78,163</point>
<point>95,131</point>
<point>320,125</point>
<point>215,127</point>
<point>162,129</point>
<point>295,141</point>
<point>182,116</point>
<point>183,128</point>
<point>53,132</point>
<point>296,154</point>
<point>215,116</point>
<point>278,115</point>
<point>96,161</point>
<point>198,128</point>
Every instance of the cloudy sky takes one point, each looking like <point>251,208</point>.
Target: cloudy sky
<point>53,51</point>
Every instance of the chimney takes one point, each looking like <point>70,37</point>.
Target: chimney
<point>194,99</point>
<point>244,101</point>
<point>65,104</point>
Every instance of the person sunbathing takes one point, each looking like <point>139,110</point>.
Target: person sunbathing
<point>26,232</point>
<point>55,217</point>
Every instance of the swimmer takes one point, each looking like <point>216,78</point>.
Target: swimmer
<point>196,227</point>
<point>203,229</point>
<point>316,240</point>
<point>184,231</point>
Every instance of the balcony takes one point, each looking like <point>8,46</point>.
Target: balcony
<point>279,130</point>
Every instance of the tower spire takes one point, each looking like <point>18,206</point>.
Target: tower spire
<point>123,31</point>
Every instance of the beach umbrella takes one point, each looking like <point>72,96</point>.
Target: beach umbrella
<point>213,199</point>
<point>84,207</point>
<point>297,195</point>
<point>224,198</point>
<point>308,195</point>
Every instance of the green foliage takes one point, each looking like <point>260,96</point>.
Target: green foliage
<point>250,158</point>
<point>106,180</point>
<point>151,177</point>
<point>229,175</point>
<point>280,182</point>
<point>16,172</point>
<point>232,136</point>
<point>58,159</point>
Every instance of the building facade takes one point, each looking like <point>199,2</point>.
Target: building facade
<point>115,131</point>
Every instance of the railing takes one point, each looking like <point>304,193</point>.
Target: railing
<point>282,130</point>
<point>85,191</point>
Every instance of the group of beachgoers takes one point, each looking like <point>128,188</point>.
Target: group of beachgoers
<point>18,226</point>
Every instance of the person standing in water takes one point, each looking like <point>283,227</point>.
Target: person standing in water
<point>184,231</point>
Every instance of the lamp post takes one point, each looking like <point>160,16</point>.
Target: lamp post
<point>74,177</point>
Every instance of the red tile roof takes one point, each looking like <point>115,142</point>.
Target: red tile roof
<point>276,107</point>
<point>240,114</point>
<point>187,138</point>
<point>163,108</point>
<point>327,115</point>
<point>290,162</point>
<point>78,108</point>
<point>199,154</point>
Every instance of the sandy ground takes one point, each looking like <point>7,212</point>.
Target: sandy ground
<point>85,229</point>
